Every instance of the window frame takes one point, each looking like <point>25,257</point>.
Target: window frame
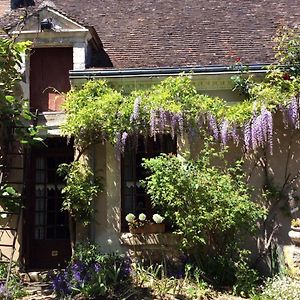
<point>150,152</point>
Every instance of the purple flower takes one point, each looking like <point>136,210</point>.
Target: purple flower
<point>224,132</point>
<point>293,112</point>
<point>213,126</point>
<point>78,272</point>
<point>173,125</point>
<point>123,141</point>
<point>257,132</point>
<point>162,119</point>
<point>247,136</point>
<point>4,292</point>
<point>97,267</point>
<point>267,121</point>
<point>153,123</point>
<point>61,284</point>
<point>136,109</point>
<point>234,134</point>
<point>125,269</point>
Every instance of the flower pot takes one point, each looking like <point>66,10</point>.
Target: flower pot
<point>137,230</point>
<point>295,228</point>
<point>149,228</point>
<point>295,236</point>
<point>155,228</point>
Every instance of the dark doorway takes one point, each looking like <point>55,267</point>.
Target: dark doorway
<point>49,74</point>
<point>47,238</point>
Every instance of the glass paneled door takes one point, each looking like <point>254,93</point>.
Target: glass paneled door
<point>48,242</point>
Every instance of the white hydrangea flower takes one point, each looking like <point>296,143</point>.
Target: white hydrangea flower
<point>142,217</point>
<point>130,218</point>
<point>157,218</point>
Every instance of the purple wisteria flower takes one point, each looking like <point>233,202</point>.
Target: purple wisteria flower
<point>257,132</point>
<point>267,121</point>
<point>162,120</point>
<point>136,108</point>
<point>224,132</point>
<point>247,135</point>
<point>213,126</point>
<point>123,140</point>
<point>153,123</point>
<point>293,112</point>
<point>234,134</point>
<point>174,123</point>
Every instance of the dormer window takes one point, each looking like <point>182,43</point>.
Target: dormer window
<point>21,3</point>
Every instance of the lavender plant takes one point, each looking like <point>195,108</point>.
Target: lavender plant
<point>92,273</point>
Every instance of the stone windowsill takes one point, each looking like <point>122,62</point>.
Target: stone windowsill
<point>149,239</point>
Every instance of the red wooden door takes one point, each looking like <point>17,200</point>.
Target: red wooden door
<point>47,230</point>
<point>49,72</point>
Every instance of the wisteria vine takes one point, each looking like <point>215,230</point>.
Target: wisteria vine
<point>168,109</point>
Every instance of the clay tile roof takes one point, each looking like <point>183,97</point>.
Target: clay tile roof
<point>176,33</point>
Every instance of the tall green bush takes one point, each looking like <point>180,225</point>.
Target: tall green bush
<point>210,206</point>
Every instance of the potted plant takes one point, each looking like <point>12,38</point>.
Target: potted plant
<point>142,225</point>
<point>157,226</point>
<point>294,233</point>
<point>136,225</point>
<point>295,224</point>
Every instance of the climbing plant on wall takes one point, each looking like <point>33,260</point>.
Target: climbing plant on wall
<point>14,110</point>
<point>14,113</point>
<point>97,112</point>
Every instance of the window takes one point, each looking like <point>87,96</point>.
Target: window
<point>134,198</point>
<point>21,3</point>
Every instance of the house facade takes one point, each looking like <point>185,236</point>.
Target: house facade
<point>132,44</point>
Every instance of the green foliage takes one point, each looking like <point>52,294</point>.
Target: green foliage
<point>14,110</point>
<point>279,287</point>
<point>14,289</point>
<point>288,50</point>
<point>190,286</point>
<point>80,190</point>
<point>94,274</point>
<point>199,197</point>
<point>210,206</point>
<point>97,112</point>
<point>246,278</point>
<point>10,199</point>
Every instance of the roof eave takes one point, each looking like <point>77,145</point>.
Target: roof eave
<point>148,72</point>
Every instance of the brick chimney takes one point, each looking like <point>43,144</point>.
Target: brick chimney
<point>4,7</point>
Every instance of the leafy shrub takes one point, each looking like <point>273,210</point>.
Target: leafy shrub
<point>80,190</point>
<point>14,289</point>
<point>209,206</point>
<point>93,274</point>
<point>246,278</point>
<point>280,287</point>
